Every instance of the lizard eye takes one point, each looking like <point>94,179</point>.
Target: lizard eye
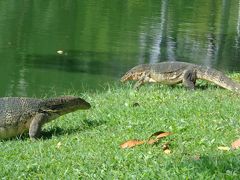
<point>53,108</point>
<point>56,107</point>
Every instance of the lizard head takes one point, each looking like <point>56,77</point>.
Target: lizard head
<point>65,104</point>
<point>131,76</point>
<point>135,73</point>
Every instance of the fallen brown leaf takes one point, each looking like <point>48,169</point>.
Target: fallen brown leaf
<point>131,143</point>
<point>167,151</point>
<point>164,135</point>
<point>224,148</point>
<point>197,157</point>
<point>152,141</point>
<point>165,146</point>
<point>59,144</point>
<point>158,135</point>
<point>236,144</point>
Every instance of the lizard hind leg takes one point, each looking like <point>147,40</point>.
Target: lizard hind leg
<point>189,79</point>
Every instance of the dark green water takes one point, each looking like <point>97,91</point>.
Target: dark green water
<point>57,46</point>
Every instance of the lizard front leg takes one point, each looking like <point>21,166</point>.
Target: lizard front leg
<point>36,124</point>
<point>143,78</point>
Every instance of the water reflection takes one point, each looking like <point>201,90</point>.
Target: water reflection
<point>74,61</point>
<point>212,45</point>
<point>160,36</point>
<point>100,40</point>
<point>238,27</point>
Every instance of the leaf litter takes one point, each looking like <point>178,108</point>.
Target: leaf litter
<point>153,139</point>
<point>236,144</point>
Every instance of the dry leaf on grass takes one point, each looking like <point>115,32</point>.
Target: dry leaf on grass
<point>167,151</point>
<point>224,148</point>
<point>197,157</point>
<point>158,135</point>
<point>236,144</point>
<point>131,143</point>
<point>152,141</point>
<point>165,146</point>
<point>164,134</point>
<point>59,144</point>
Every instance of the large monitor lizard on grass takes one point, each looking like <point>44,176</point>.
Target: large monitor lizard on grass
<point>19,114</point>
<point>178,72</point>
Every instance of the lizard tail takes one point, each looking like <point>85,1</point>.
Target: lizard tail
<point>218,78</point>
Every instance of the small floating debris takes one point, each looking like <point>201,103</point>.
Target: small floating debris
<point>60,52</point>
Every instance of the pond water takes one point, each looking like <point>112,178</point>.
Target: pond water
<point>59,46</point>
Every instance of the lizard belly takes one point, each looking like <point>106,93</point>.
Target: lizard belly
<point>14,130</point>
<point>7,132</point>
<point>167,78</point>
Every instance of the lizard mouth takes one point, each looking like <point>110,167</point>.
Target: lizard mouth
<point>125,78</point>
<point>131,76</point>
<point>86,105</point>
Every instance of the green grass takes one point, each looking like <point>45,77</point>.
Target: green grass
<point>86,144</point>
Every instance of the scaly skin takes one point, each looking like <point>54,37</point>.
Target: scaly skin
<point>178,72</point>
<point>19,114</point>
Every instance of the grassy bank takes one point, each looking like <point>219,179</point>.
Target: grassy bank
<point>86,144</point>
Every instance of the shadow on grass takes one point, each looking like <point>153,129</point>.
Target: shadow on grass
<point>205,86</point>
<point>201,86</point>
<point>223,165</point>
<point>57,131</point>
